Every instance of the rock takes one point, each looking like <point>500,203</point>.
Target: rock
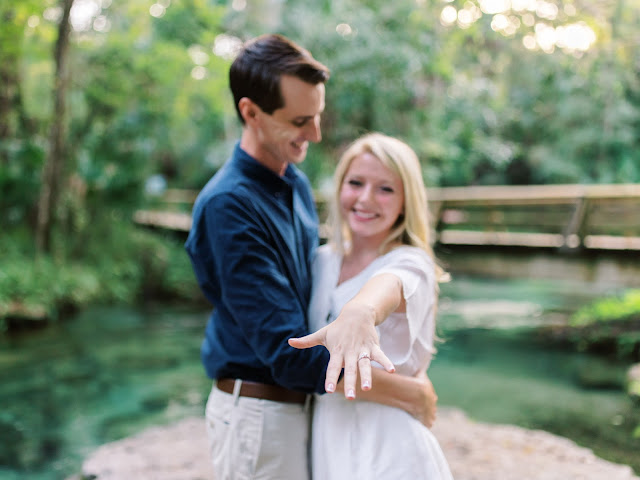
<point>475,451</point>
<point>480,451</point>
<point>176,452</point>
<point>597,373</point>
<point>633,382</point>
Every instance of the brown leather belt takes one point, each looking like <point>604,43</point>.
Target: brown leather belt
<point>263,390</point>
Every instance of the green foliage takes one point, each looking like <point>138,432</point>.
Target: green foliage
<point>43,288</point>
<point>478,107</point>
<point>188,22</point>
<point>609,309</point>
<point>148,95</point>
<point>135,109</point>
<point>120,264</point>
<point>134,264</point>
<point>611,323</point>
<point>19,180</point>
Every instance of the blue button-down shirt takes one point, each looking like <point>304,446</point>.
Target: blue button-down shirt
<point>251,245</point>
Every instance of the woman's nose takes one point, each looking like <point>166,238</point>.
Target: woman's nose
<point>366,193</point>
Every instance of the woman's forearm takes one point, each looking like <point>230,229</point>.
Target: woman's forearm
<point>381,295</point>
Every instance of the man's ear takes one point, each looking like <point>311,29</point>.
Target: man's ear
<point>248,109</point>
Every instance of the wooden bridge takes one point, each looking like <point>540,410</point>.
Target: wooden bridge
<point>565,217</point>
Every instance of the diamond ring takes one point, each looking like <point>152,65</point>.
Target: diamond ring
<point>364,355</point>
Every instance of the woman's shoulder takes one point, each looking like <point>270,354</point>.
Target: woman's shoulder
<point>406,259</point>
<point>408,253</point>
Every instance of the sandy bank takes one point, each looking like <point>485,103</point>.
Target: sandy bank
<point>475,451</point>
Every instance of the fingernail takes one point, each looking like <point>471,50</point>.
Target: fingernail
<point>331,387</point>
<point>351,394</point>
<point>366,385</point>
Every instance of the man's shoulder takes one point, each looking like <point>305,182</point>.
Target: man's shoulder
<point>226,183</point>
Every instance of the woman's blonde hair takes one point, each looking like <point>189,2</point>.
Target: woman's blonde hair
<point>413,227</point>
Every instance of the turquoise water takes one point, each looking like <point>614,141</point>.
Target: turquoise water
<point>102,375</point>
<point>496,365</point>
<point>110,372</point>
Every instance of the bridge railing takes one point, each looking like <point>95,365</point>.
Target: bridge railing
<point>560,216</point>
<point>550,216</point>
<point>172,211</point>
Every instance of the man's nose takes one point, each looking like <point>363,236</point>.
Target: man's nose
<point>313,132</point>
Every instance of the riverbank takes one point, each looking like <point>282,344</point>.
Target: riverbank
<point>134,267</point>
<point>475,451</point>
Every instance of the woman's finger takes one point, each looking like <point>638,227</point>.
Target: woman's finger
<point>364,365</point>
<point>307,341</point>
<point>333,372</point>
<point>350,376</point>
<point>378,355</point>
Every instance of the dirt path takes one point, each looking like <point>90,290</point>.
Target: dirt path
<point>475,451</point>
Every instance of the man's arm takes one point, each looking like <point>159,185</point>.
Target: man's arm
<point>258,294</point>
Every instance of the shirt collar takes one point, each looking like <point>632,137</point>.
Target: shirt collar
<point>272,182</point>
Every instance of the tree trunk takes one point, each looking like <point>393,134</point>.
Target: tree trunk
<point>11,36</point>
<point>7,83</point>
<point>54,165</point>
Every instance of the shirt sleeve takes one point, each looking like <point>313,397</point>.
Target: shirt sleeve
<point>259,296</point>
<point>415,268</point>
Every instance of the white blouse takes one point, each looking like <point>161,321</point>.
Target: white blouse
<point>358,439</point>
<point>406,338</point>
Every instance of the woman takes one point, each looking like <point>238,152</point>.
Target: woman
<point>379,258</point>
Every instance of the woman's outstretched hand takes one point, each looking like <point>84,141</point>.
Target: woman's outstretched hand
<point>353,342</point>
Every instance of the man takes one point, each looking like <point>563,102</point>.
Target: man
<point>253,236</point>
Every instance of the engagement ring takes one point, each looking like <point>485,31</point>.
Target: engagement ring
<point>364,355</point>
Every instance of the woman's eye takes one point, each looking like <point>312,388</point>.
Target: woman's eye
<point>355,183</point>
<point>387,189</point>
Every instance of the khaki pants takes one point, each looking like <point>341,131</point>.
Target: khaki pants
<point>255,439</point>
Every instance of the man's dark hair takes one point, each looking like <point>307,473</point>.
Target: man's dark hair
<point>256,71</point>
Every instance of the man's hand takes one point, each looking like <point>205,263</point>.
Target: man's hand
<point>425,410</point>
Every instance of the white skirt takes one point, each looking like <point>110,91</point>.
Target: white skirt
<point>364,440</point>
